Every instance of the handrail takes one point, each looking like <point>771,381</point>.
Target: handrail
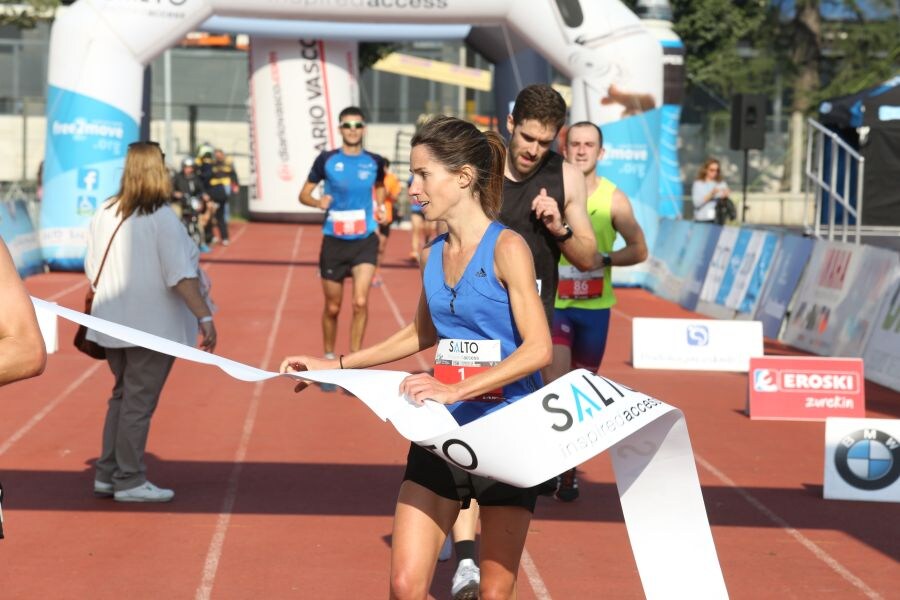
<point>815,178</point>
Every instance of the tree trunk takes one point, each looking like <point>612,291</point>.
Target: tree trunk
<point>806,54</point>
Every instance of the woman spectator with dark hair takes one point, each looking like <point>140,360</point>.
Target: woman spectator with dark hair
<point>150,281</point>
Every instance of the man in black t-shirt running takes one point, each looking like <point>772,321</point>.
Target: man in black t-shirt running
<point>544,201</point>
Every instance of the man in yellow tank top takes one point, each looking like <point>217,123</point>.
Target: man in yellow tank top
<point>584,298</point>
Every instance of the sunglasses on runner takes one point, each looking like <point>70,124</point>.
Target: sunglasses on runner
<point>352,125</point>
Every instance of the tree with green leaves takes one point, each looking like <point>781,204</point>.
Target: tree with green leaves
<point>26,14</point>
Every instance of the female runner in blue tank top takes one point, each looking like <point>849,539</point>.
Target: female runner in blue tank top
<point>480,303</point>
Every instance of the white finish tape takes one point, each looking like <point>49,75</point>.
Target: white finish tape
<point>553,429</point>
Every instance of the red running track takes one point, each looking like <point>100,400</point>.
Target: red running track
<point>291,496</point>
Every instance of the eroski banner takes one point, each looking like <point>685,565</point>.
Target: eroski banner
<point>553,429</point>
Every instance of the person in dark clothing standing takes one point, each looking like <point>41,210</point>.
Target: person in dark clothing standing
<point>222,184</point>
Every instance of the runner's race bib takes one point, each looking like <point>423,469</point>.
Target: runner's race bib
<point>579,285</point>
<point>457,360</point>
<point>348,222</point>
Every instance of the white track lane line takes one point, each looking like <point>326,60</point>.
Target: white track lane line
<point>534,577</point>
<point>68,290</point>
<point>217,543</point>
<point>37,418</point>
<point>804,541</point>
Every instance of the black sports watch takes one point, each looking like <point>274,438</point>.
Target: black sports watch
<point>568,234</point>
<point>606,259</point>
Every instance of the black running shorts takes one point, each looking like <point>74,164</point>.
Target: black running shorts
<point>449,481</point>
<point>338,256</point>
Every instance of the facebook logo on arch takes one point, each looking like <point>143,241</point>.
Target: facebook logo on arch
<point>88,181</point>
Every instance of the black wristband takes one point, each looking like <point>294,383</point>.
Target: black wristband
<point>568,234</point>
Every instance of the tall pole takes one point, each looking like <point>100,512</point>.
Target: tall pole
<point>167,99</point>
<point>145,104</point>
<point>744,207</point>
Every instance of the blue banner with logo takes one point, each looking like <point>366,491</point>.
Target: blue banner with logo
<point>787,267</point>
<point>20,237</point>
<point>765,254</point>
<point>633,162</point>
<point>86,145</point>
<point>661,256</point>
<point>698,251</point>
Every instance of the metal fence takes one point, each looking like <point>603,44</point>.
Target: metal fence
<point>834,176</point>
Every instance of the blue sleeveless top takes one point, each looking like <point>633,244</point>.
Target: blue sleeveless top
<point>477,308</point>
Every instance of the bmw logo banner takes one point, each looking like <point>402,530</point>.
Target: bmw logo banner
<point>553,429</point>
<point>862,459</point>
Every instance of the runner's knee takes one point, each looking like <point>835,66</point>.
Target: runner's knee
<point>405,585</point>
<point>360,304</point>
<point>495,590</point>
<point>332,309</point>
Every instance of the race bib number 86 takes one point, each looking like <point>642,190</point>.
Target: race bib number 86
<point>579,285</point>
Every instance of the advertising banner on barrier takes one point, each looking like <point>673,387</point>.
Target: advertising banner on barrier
<point>729,239</point>
<point>862,460</point>
<point>747,286</point>
<point>20,237</point>
<point>739,267</point>
<point>790,260</point>
<point>661,260</point>
<point>882,353</point>
<point>834,309</point>
<point>806,388</point>
<point>694,263</point>
<point>695,345</point>
<point>297,90</point>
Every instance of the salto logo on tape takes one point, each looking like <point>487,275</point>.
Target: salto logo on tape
<point>697,335</point>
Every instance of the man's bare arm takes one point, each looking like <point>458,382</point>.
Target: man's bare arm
<point>22,352</point>
<point>624,221</point>
<point>307,198</point>
<point>582,246</point>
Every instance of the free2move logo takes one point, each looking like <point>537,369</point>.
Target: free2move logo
<point>868,459</point>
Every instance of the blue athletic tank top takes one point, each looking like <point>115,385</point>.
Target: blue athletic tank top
<point>477,308</point>
<point>349,180</point>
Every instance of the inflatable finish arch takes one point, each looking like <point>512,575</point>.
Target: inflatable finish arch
<point>99,49</point>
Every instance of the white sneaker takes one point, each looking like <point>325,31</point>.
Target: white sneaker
<point>466,581</point>
<point>146,492</point>
<point>446,549</point>
<point>103,489</point>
